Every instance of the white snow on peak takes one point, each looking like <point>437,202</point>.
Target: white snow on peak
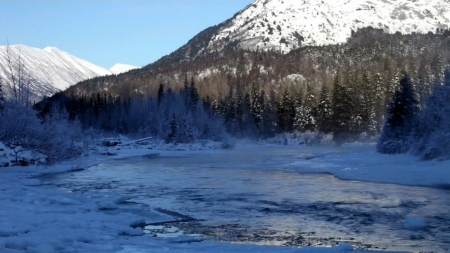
<point>50,69</point>
<point>284,25</point>
<point>121,68</point>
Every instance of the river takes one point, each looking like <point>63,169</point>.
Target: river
<point>253,196</point>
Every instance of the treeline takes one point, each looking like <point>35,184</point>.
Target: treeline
<point>176,117</point>
<point>353,109</point>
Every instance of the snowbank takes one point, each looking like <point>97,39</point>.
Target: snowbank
<point>19,156</point>
<point>360,161</point>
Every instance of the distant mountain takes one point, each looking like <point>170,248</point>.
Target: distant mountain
<point>121,68</point>
<point>49,70</point>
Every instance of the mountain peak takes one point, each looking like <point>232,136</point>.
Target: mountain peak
<point>50,49</point>
<point>284,25</point>
<point>119,68</point>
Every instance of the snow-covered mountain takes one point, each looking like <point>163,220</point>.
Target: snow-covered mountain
<point>121,68</point>
<point>284,25</point>
<point>50,69</point>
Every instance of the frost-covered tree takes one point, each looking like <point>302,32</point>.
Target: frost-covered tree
<point>431,135</point>
<point>18,78</point>
<point>305,118</point>
<point>401,115</point>
<point>54,136</point>
<point>257,107</point>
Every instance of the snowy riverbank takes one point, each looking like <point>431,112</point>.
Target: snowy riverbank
<point>40,218</point>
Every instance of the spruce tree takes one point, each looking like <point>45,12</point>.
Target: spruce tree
<point>256,107</point>
<point>171,137</point>
<point>193,93</point>
<point>401,114</point>
<point>307,117</point>
<point>286,112</point>
<point>380,93</point>
<point>269,125</point>
<point>430,137</point>
<point>342,112</point>
<point>325,114</point>
<point>160,93</point>
<point>298,105</point>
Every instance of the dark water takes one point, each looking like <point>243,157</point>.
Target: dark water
<point>249,193</point>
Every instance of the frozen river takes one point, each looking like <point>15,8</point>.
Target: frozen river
<point>263,196</point>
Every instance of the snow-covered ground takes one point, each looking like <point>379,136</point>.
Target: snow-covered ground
<point>362,162</point>
<point>36,217</point>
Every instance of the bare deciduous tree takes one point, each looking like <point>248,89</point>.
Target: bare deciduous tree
<point>18,78</point>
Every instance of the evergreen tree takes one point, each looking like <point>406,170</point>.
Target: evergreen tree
<point>379,108</point>
<point>401,114</point>
<point>431,138</point>
<point>325,114</point>
<point>298,105</point>
<point>342,112</point>
<point>229,110</point>
<point>269,124</point>
<point>171,137</point>
<point>307,119</point>
<point>257,106</point>
<point>194,97</point>
<point>367,106</point>
<point>160,93</point>
<point>286,112</point>
<point>437,68</point>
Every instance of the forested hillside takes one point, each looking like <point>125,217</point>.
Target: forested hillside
<point>340,89</point>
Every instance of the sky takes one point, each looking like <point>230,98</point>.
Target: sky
<point>135,32</point>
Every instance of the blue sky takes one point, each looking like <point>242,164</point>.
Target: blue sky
<point>136,32</point>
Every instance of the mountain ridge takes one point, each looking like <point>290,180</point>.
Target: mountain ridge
<point>284,25</point>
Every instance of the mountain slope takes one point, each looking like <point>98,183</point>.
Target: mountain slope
<point>284,25</point>
<point>48,70</point>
